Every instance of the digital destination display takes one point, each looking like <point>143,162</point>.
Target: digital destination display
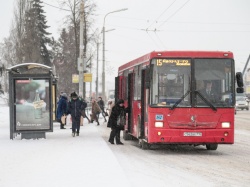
<point>177,62</point>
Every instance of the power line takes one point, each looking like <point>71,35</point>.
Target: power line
<point>160,40</point>
<point>153,40</point>
<point>162,13</point>
<point>174,13</point>
<point>56,7</point>
<point>160,30</point>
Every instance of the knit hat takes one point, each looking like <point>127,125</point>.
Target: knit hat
<point>73,94</point>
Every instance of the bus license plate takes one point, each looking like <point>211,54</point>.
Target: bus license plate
<point>192,134</point>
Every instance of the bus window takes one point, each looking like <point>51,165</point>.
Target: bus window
<point>170,82</point>
<point>213,82</point>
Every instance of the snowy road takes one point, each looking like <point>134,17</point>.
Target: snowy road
<point>89,160</point>
<point>229,165</point>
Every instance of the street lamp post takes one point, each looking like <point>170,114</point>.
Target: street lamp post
<point>103,50</point>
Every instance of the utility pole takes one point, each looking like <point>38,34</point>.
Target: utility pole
<point>103,51</point>
<point>90,91</point>
<point>81,59</point>
<point>97,70</point>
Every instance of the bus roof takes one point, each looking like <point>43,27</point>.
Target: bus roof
<point>145,59</point>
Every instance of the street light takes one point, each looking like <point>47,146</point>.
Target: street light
<point>97,60</point>
<point>103,51</point>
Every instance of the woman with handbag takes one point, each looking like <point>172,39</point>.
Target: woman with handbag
<point>117,121</point>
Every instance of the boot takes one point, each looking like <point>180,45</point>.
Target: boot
<point>62,127</point>
<point>119,143</point>
<point>73,134</point>
<point>112,142</point>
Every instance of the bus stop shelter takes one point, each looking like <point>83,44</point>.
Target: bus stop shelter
<point>31,100</point>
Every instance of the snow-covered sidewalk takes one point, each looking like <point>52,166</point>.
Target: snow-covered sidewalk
<point>59,160</point>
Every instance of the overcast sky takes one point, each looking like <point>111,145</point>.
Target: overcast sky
<point>151,25</point>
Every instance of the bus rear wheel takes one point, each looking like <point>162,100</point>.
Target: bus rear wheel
<point>211,146</point>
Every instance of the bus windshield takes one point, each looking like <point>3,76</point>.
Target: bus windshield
<point>212,84</point>
<point>171,82</point>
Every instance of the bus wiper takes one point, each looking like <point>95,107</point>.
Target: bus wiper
<point>180,100</point>
<point>206,101</point>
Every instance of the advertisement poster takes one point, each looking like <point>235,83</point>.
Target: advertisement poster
<point>32,104</point>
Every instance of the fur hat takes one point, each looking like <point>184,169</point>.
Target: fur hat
<point>120,101</point>
<point>64,94</point>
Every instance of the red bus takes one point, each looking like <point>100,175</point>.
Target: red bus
<point>166,94</point>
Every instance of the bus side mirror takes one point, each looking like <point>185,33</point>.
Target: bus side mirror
<point>239,80</point>
<point>240,90</point>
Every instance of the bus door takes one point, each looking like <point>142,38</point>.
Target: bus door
<point>130,87</point>
<point>145,82</point>
<point>119,88</point>
<point>116,89</point>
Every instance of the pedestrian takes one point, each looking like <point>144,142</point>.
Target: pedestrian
<point>62,108</point>
<point>95,110</point>
<point>100,102</point>
<point>84,108</point>
<point>110,106</point>
<point>117,121</point>
<point>75,108</point>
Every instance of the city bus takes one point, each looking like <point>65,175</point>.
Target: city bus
<point>165,92</point>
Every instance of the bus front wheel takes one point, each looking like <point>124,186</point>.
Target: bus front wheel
<point>211,146</point>
<point>144,145</point>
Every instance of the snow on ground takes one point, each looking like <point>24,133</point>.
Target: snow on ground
<point>58,160</point>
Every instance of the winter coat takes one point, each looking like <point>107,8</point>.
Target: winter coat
<point>101,104</point>
<point>62,107</point>
<point>115,113</point>
<point>75,107</point>
<point>95,108</point>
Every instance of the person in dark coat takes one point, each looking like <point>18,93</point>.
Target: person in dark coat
<point>62,108</point>
<point>118,112</point>
<point>209,93</point>
<point>100,102</point>
<point>75,108</point>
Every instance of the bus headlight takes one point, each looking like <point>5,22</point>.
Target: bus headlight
<point>158,124</point>
<point>225,125</point>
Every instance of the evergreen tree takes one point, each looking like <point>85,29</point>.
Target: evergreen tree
<point>36,38</point>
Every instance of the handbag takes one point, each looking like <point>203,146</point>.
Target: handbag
<point>120,122</point>
<point>63,119</point>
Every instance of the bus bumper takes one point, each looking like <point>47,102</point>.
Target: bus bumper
<point>187,136</point>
